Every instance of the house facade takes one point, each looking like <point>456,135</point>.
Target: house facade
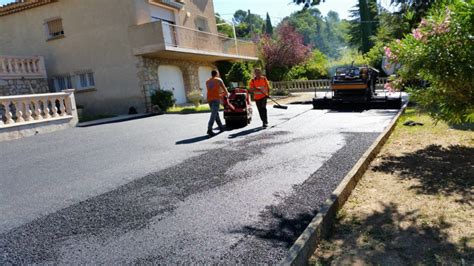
<point>116,52</point>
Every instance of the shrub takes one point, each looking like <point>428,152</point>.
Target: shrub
<point>164,99</point>
<point>439,52</point>
<point>345,60</point>
<point>224,67</point>
<point>277,73</point>
<point>284,52</point>
<point>239,72</point>
<point>316,68</point>
<point>195,97</point>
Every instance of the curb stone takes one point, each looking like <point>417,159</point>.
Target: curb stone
<point>112,120</point>
<point>321,224</point>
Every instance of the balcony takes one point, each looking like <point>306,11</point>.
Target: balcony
<point>161,39</point>
<point>19,67</point>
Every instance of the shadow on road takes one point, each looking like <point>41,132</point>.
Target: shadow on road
<point>392,237</point>
<point>439,169</point>
<point>283,231</point>
<point>192,140</point>
<point>245,132</point>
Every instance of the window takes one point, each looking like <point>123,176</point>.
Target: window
<point>85,79</point>
<point>201,24</point>
<point>62,82</point>
<point>54,28</point>
<point>81,80</point>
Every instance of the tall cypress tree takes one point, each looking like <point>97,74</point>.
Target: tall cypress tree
<point>364,24</point>
<point>268,25</point>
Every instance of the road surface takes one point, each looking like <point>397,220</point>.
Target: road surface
<point>159,190</point>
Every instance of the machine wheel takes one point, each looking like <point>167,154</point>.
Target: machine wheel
<point>229,123</point>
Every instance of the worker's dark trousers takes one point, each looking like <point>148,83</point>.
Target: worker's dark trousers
<point>262,109</point>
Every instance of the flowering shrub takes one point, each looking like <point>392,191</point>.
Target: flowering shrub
<point>284,52</point>
<point>439,55</point>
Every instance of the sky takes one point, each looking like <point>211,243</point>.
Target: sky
<point>277,9</point>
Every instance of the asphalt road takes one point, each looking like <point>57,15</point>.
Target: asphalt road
<point>158,190</point>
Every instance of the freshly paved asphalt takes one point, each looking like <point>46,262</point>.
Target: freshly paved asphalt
<point>158,190</point>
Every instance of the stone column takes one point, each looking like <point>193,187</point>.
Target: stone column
<point>190,76</point>
<point>71,106</point>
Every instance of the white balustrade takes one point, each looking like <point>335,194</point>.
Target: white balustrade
<point>312,85</point>
<point>36,108</point>
<point>17,67</point>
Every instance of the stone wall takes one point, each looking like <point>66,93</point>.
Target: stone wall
<point>23,86</point>
<point>149,80</point>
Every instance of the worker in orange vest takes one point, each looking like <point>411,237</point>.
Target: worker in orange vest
<point>260,87</point>
<point>216,89</point>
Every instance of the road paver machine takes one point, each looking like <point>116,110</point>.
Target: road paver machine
<point>356,87</point>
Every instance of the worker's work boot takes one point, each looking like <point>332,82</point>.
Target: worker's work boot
<point>210,133</point>
<point>221,128</point>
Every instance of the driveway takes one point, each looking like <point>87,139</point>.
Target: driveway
<point>158,190</point>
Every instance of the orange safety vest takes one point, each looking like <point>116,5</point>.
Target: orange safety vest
<point>260,87</point>
<point>213,89</point>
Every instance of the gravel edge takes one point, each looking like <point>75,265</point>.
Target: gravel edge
<point>322,223</point>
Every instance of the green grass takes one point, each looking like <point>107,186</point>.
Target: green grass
<point>412,114</point>
<point>430,129</point>
<point>190,109</point>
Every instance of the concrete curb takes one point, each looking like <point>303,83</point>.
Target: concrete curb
<point>111,120</point>
<point>321,224</point>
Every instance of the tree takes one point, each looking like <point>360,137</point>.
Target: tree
<point>436,62</point>
<point>239,16</point>
<point>363,24</point>
<point>240,73</point>
<point>315,68</point>
<point>223,27</point>
<point>327,34</point>
<point>307,3</point>
<point>395,25</point>
<point>248,25</point>
<point>415,9</point>
<point>268,26</point>
<point>284,52</point>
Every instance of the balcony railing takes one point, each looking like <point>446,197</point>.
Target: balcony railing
<point>182,37</point>
<point>154,37</point>
<point>17,67</point>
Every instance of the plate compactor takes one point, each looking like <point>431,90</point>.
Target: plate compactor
<point>237,108</point>
<point>355,87</point>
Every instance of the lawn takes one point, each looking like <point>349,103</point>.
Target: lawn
<point>415,203</point>
<point>189,109</point>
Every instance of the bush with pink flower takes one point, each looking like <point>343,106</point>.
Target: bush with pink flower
<point>439,53</point>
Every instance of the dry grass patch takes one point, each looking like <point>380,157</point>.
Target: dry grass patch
<point>414,205</point>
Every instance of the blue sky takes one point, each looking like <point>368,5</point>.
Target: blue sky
<point>277,9</point>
